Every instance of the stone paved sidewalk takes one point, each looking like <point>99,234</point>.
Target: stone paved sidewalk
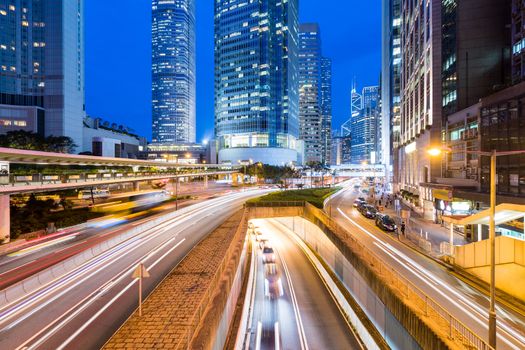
<point>168,313</point>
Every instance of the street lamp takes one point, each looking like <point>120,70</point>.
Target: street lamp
<point>492,227</point>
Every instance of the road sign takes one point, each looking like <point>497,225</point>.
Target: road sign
<point>140,273</point>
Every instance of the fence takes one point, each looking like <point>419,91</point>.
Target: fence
<point>422,304</point>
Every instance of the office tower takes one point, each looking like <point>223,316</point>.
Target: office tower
<point>475,51</point>
<point>256,80</point>
<point>365,125</point>
<point>453,54</point>
<point>173,71</point>
<point>421,103</point>
<point>326,105</point>
<point>390,84</point>
<point>518,41</point>
<point>310,113</point>
<point>42,67</point>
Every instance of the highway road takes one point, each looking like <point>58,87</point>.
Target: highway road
<point>463,301</point>
<point>41,253</point>
<point>83,308</point>
<point>298,312</point>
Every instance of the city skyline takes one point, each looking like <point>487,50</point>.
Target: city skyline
<point>346,183</point>
<point>130,101</point>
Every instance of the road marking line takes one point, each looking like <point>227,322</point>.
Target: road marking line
<point>310,256</point>
<point>418,268</point>
<point>258,336</point>
<point>277,336</point>
<point>299,321</point>
<point>93,296</point>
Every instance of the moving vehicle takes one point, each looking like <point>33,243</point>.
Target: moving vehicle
<point>133,202</point>
<point>268,255</point>
<point>386,223</point>
<point>273,285</point>
<point>367,211</point>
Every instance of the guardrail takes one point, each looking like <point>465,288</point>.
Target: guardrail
<point>275,204</point>
<point>14,179</point>
<point>417,299</point>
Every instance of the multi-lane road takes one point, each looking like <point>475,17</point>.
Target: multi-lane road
<point>292,309</point>
<point>82,308</point>
<point>462,301</point>
<point>40,254</point>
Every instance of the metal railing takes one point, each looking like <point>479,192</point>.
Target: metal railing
<point>417,299</point>
<point>276,204</point>
<point>47,179</point>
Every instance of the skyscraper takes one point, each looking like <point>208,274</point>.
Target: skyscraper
<point>42,67</point>
<point>365,125</point>
<point>462,55</point>
<point>390,82</point>
<point>256,80</point>
<point>326,106</point>
<point>518,41</point>
<point>310,114</point>
<point>173,71</point>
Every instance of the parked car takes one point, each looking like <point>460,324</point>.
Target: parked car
<point>368,211</point>
<point>386,223</point>
<point>359,201</point>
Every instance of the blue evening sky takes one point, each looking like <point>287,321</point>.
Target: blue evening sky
<point>118,48</point>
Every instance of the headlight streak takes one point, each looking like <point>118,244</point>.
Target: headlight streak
<point>111,252</point>
<point>103,261</point>
<point>420,269</point>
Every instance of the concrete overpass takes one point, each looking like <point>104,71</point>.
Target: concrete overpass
<point>86,171</point>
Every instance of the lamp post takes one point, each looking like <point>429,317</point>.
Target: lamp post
<point>492,228</point>
<point>244,163</point>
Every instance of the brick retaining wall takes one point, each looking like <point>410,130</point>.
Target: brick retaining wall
<point>174,313</point>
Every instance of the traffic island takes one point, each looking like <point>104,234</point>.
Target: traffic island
<point>195,301</point>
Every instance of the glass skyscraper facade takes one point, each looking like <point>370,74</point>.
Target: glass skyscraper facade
<point>391,82</point>
<point>42,66</point>
<point>256,80</point>
<point>310,114</point>
<point>326,107</point>
<point>173,71</point>
<point>365,125</point>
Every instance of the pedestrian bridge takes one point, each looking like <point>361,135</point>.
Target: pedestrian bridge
<point>35,171</point>
<point>45,171</point>
<point>359,170</point>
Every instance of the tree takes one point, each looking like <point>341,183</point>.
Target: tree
<point>21,139</point>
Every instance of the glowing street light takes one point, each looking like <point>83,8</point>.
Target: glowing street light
<point>492,227</point>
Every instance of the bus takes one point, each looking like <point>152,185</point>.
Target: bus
<point>133,202</point>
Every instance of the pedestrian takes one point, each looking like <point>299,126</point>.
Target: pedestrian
<point>403,228</point>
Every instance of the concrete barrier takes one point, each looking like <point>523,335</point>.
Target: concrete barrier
<point>405,316</point>
<point>369,336</point>
<point>46,276</point>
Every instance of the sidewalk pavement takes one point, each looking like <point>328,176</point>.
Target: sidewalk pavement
<point>419,228</point>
